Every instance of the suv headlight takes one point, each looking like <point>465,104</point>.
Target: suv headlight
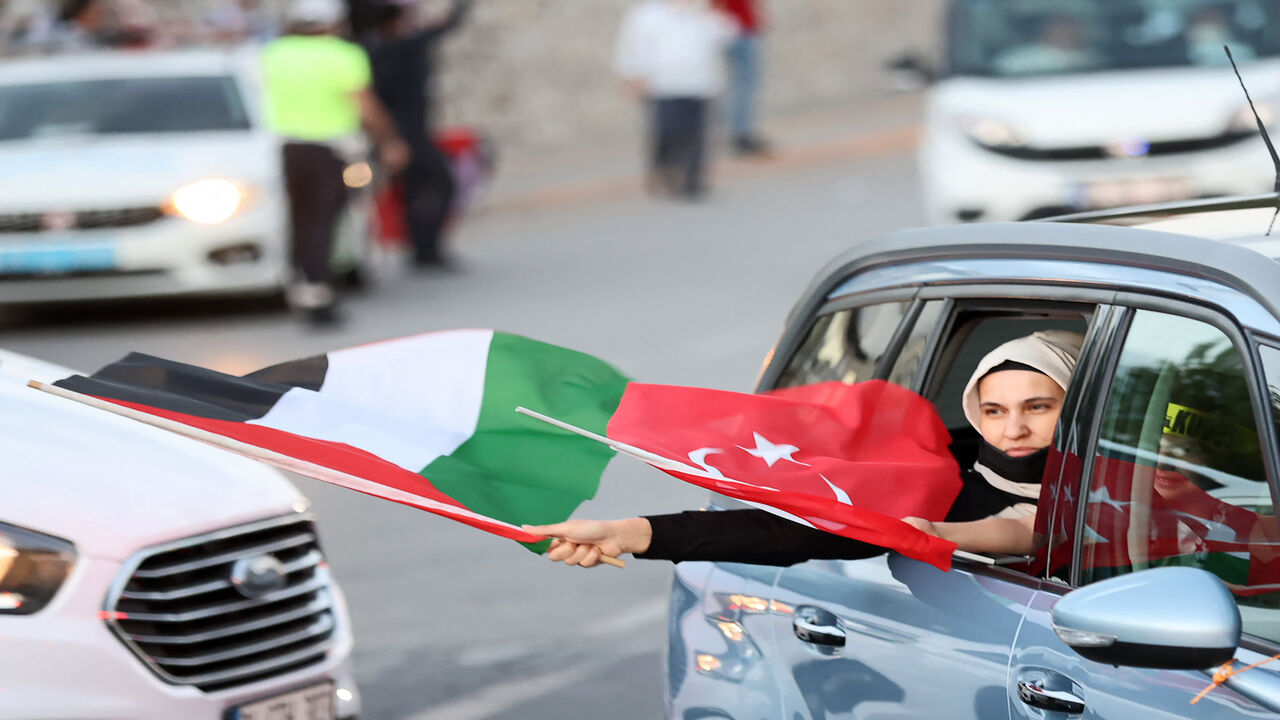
<point>208,202</point>
<point>32,568</point>
<point>989,132</point>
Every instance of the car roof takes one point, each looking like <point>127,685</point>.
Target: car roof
<point>1245,260</point>
<point>112,64</point>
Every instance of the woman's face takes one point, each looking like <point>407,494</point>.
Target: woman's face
<point>1019,410</point>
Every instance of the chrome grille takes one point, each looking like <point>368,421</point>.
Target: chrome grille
<point>177,609</point>
<point>1099,152</point>
<point>81,220</point>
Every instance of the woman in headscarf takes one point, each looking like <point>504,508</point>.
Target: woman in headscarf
<point>1013,400</point>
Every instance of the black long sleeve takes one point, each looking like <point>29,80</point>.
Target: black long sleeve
<point>749,536</point>
<point>762,538</point>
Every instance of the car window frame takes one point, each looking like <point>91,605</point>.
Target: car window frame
<point>794,334</point>
<point>1103,368</point>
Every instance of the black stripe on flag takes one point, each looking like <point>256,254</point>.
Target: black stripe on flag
<point>193,390</point>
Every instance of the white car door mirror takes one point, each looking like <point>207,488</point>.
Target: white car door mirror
<point>1174,617</point>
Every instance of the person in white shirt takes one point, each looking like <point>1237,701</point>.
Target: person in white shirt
<point>670,53</point>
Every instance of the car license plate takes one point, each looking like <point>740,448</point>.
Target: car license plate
<point>44,259</point>
<point>1140,191</point>
<point>309,703</point>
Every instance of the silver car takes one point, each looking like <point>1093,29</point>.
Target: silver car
<point>1139,593</point>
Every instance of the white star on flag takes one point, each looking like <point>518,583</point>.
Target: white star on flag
<point>1103,496</point>
<point>771,453</point>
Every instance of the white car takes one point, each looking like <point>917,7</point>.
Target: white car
<point>132,174</point>
<point>143,575</point>
<point>1048,108</point>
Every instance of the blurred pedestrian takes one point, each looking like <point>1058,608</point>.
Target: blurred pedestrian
<point>744,75</point>
<point>82,25</point>
<point>319,95</point>
<point>671,54</point>
<point>402,51</point>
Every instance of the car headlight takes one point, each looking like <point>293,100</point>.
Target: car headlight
<point>208,201</point>
<point>32,568</point>
<point>1242,119</point>
<point>989,132</point>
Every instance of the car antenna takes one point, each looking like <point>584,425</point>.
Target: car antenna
<point>1262,129</point>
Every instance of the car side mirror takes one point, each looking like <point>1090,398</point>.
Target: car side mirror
<point>909,72</point>
<point>1175,618</point>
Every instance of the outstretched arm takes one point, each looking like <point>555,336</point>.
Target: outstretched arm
<point>748,536</point>
<point>993,535</point>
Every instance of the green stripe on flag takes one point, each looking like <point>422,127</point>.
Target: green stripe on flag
<point>521,470</point>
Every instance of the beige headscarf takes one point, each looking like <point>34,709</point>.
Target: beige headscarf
<point>1052,352</point>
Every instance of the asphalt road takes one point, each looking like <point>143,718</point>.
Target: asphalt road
<point>451,622</point>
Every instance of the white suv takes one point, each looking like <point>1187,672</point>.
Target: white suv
<point>143,575</point>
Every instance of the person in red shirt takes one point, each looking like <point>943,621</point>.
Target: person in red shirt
<point>744,75</point>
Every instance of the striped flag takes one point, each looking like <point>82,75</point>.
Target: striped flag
<point>430,421</point>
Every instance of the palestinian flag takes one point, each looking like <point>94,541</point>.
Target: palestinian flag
<point>430,421</point>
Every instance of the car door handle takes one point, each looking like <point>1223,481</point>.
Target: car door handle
<point>1054,700</point>
<point>818,634</point>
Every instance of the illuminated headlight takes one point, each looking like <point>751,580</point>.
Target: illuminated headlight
<point>989,132</point>
<point>32,568</point>
<point>208,201</point>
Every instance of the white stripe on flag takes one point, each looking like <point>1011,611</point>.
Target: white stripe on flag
<point>408,401</point>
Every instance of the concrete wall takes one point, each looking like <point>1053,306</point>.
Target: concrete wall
<point>537,73</point>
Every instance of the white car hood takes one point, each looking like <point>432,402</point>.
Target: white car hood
<point>103,172</point>
<point>1105,107</point>
<point>113,485</point>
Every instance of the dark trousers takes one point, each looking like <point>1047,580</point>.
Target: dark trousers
<point>679,143</point>
<point>428,200</point>
<point>317,195</point>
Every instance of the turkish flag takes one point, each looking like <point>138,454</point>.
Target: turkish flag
<point>1174,521</point>
<point>849,459</point>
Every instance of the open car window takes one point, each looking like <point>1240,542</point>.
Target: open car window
<point>1178,476</point>
<point>974,333</point>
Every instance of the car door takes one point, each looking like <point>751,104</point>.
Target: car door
<point>890,636</point>
<point>719,660</point>
<point>1177,469</point>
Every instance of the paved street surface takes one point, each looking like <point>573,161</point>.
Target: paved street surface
<point>451,622</point>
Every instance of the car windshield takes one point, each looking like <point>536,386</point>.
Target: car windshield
<point>121,106</point>
<point>1020,38</point>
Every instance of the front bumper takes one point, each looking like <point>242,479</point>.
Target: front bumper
<point>63,662</point>
<point>170,256</point>
<point>964,182</point>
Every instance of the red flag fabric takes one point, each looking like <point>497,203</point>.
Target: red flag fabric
<point>849,459</point>
<point>1178,523</point>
